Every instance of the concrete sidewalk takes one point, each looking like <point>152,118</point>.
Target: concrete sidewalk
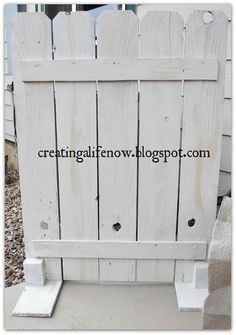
<point>96,306</point>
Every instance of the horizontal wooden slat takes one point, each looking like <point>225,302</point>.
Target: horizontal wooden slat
<point>121,250</point>
<point>117,70</point>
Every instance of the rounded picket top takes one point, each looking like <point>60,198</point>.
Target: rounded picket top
<point>78,15</point>
<point>117,34</point>
<point>158,14</point>
<point>161,34</point>
<point>205,17</point>
<point>34,20</point>
<point>32,35</point>
<point>74,35</point>
<point>115,14</point>
<point>201,27</point>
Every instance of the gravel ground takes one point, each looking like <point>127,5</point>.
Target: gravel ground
<point>14,238</point>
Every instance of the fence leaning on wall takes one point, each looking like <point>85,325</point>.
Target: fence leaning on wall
<point>119,83</point>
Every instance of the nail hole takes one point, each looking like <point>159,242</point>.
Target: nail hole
<point>207,17</point>
<point>43,225</point>
<point>116,226</point>
<point>191,222</point>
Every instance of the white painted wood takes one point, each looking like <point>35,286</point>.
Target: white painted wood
<point>38,301</point>
<point>200,278</point>
<point>184,271</point>
<point>185,9</point>
<point>9,132</point>
<point>202,124</point>
<point>31,39</point>
<point>120,250</point>
<point>117,36</point>
<point>189,298</point>
<point>227,118</point>
<point>34,272</point>
<point>9,137</point>
<point>160,118</point>
<point>9,128</point>
<point>76,129</point>
<point>160,114</point>
<point>121,69</point>
<point>7,80</point>
<point>228,80</point>
<point>8,113</point>
<point>8,99</point>
<point>226,154</point>
<point>229,41</point>
<point>224,183</point>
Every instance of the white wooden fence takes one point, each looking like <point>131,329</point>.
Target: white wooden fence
<point>118,83</point>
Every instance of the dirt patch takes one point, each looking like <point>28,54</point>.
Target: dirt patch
<point>14,237</point>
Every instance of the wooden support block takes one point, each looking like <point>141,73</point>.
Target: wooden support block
<point>38,301</point>
<point>200,278</point>
<point>34,272</point>
<point>189,298</point>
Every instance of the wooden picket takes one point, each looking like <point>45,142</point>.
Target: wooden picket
<point>119,83</point>
<point>73,36</point>
<point>31,39</point>
<point>117,128</point>
<point>202,127</point>
<point>160,117</point>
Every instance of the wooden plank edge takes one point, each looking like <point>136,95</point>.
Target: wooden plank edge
<point>46,295</point>
<point>192,250</point>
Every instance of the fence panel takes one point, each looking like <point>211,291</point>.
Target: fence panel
<point>161,106</point>
<point>129,203</point>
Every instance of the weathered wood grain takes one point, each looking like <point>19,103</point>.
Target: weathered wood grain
<point>185,9</point>
<point>161,106</point>
<point>117,36</point>
<point>120,250</point>
<point>119,69</point>
<point>38,301</point>
<point>76,129</point>
<point>35,124</point>
<point>202,128</point>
